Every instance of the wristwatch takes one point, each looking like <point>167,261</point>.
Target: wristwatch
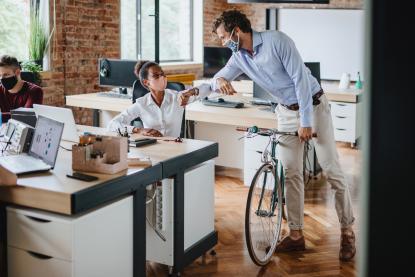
<point>195,91</point>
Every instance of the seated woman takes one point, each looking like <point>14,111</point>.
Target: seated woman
<point>161,110</point>
<point>14,92</point>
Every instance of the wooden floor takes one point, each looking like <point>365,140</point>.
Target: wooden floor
<point>321,232</point>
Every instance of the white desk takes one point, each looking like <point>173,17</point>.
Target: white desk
<point>218,124</point>
<point>67,201</point>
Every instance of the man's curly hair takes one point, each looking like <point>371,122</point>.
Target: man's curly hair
<point>230,19</point>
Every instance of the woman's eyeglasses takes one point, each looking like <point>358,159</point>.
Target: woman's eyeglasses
<point>158,75</point>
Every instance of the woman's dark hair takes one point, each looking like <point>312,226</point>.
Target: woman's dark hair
<point>230,19</point>
<point>141,70</point>
<point>7,60</point>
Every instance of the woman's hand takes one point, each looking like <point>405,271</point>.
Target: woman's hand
<point>225,86</point>
<point>147,132</point>
<point>185,95</point>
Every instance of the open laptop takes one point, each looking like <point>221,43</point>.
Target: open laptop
<point>43,150</point>
<point>64,115</point>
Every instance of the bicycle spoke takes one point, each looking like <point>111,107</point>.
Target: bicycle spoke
<point>263,216</point>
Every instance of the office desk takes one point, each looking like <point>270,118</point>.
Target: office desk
<point>54,192</point>
<point>211,121</point>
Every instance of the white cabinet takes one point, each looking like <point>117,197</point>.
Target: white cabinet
<point>346,119</point>
<point>98,243</point>
<point>199,187</point>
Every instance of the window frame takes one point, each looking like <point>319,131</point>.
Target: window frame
<point>138,48</point>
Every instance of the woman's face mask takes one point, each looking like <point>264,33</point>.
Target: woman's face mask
<point>157,80</point>
<point>233,45</point>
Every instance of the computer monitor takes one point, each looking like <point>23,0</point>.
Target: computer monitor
<point>262,94</point>
<point>64,115</point>
<point>315,70</point>
<point>116,73</point>
<point>215,58</point>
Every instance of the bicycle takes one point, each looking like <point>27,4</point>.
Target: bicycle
<point>265,207</point>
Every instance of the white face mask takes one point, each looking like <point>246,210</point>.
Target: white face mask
<point>233,45</point>
<point>158,84</point>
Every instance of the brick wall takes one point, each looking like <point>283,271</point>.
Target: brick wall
<point>85,31</point>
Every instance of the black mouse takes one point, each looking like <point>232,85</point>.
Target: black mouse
<point>221,100</point>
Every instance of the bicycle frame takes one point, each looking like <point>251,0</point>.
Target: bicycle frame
<point>274,161</point>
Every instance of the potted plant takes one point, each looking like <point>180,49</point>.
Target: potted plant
<point>30,72</point>
<point>38,37</point>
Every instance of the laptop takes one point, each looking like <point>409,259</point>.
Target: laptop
<point>64,115</point>
<point>43,150</point>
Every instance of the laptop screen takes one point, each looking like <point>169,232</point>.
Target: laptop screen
<point>46,140</point>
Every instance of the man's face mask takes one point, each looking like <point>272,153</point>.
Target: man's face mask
<point>234,46</point>
<point>9,82</point>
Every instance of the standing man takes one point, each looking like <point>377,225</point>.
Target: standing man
<point>272,61</point>
<point>14,92</point>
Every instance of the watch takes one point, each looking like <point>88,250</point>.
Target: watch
<point>196,91</point>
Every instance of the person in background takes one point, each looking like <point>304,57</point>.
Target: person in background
<point>14,92</point>
<point>161,110</point>
<point>272,61</point>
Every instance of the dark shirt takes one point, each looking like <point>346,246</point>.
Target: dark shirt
<point>28,95</point>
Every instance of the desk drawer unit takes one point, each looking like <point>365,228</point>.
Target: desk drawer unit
<point>345,117</point>
<point>40,233</point>
<point>94,244</point>
<point>24,263</point>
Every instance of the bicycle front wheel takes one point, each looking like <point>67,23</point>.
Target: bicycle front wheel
<point>263,215</point>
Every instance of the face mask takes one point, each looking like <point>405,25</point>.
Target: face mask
<point>159,84</point>
<point>9,82</point>
<point>234,46</point>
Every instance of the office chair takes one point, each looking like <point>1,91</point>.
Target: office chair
<point>315,70</point>
<point>140,91</point>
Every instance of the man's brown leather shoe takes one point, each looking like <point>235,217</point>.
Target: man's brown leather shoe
<point>347,246</point>
<point>288,244</point>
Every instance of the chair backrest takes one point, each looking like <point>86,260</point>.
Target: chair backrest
<point>315,70</point>
<point>175,86</point>
<point>140,91</point>
<point>179,87</point>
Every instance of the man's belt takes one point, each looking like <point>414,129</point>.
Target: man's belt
<point>316,101</point>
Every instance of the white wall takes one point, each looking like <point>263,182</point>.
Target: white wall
<point>332,37</point>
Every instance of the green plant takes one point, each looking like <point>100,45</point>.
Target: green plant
<point>33,67</point>
<point>38,37</point>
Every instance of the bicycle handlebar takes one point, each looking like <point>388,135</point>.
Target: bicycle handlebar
<point>256,130</point>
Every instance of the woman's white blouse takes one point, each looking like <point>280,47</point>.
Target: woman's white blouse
<point>167,118</point>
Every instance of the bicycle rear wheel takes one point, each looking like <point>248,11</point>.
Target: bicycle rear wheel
<point>263,215</point>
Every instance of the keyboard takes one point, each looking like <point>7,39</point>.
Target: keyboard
<point>261,102</point>
<point>23,163</point>
<point>222,103</point>
<point>114,95</point>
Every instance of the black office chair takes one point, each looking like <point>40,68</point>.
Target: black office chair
<point>140,91</point>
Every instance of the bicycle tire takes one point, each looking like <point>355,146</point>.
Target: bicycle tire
<point>249,227</point>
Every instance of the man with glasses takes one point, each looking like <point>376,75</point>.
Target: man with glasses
<point>14,92</point>
<point>272,61</point>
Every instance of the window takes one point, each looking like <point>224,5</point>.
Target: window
<point>14,28</point>
<point>176,30</point>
